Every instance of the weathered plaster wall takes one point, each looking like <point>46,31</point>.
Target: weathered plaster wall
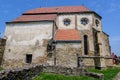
<point>61,19</point>
<point>75,21</point>
<point>26,38</point>
<point>66,54</point>
<point>81,26</point>
<point>99,27</point>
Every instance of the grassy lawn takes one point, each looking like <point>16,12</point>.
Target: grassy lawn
<point>109,74</point>
<point>50,76</point>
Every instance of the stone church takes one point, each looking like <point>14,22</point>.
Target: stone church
<point>69,36</point>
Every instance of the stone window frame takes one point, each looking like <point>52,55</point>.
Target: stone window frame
<point>84,21</point>
<point>67,21</point>
<point>86,44</point>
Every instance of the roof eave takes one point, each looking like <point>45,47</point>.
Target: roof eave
<point>68,41</point>
<point>63,13</point>
<point>30,21</point>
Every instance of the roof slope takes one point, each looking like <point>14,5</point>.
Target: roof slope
<point>43,17</point>
<point>48,14</point>
<point>67,35</point>
<point>62,9</point>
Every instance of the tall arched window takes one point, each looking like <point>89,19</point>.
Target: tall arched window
<point>85,44</point>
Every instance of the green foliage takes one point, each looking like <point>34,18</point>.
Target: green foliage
<point>50,76</point>
<point>1,68</point>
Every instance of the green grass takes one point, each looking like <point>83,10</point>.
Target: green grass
<point>109,74</point>
<point>50,76</point>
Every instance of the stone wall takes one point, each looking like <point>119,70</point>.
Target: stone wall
<point>66,54</point>
<point>2,48</point>
<point>25,73</point>
<point>109,62</point>
<point>28,73</point>
<point>88,62</point>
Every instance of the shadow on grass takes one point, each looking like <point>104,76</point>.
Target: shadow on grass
<point>51,76</point>
<point>109,74</point>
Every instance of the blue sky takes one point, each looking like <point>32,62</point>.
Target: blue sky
<point>108,9</point>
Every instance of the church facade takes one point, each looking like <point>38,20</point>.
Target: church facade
<point>69,36</point>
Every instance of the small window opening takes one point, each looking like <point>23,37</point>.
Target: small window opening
<point>97,22</point>
<point>86,45</point>
<point>49,47</point>
<point>28,58</point>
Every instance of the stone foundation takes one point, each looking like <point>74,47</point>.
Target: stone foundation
<point>66,54</point>
<point>28,73</point>
<point>108,62</point>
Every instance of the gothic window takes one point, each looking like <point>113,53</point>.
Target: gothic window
<point>67,21</point>
<point>85,44</point>
<point>84,21</point>
<point>28,58</point>
<point>96,43</point>
<point>97,22</point>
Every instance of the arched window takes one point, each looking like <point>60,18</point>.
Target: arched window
<point>85,44</point>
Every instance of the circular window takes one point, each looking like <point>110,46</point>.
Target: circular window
<point>84,21</point>
<point>67,22</point>
<point>97,22</point>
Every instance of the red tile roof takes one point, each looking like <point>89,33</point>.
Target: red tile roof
<point>48,13</point>
<point>67,35</point>
<point>62,9</point>
<point>35,17</point>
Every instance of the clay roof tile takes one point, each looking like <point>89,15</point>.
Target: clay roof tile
<point>58,9</point>
<point>67,35</point>
<point>24,18</point>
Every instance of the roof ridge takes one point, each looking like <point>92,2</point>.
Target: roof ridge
<point>59,9</point>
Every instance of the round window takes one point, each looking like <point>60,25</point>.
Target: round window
<point>67,22</point>
<point>97,22</point>
<point>84,21</point>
